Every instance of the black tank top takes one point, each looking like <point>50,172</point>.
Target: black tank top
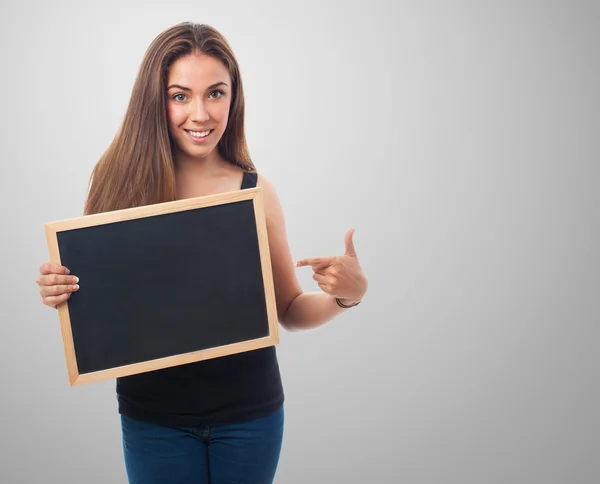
<point>231,388</point>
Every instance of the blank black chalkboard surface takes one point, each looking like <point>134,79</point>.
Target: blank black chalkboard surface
<point>165,284</point>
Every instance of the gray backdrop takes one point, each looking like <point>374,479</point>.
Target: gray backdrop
<point>460,139</point>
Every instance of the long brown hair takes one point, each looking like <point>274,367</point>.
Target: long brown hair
<point>137,168</point>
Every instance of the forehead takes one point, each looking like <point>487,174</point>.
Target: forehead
<point>198,71</point>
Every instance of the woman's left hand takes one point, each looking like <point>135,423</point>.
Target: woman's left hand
<point>339,276</point>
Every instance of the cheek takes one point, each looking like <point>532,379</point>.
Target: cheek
<point>221,114</point>
<point>175,115</point>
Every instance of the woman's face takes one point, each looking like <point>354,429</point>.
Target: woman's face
<point>199,95</point>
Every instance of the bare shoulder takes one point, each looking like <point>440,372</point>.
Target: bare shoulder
<point>265,183</point>
<point>271,199</point>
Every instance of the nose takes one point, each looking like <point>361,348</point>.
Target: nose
<point>199,113</point>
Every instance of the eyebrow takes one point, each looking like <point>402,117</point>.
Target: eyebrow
<point>212,86</point>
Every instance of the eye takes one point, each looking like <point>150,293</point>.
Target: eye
<point>177,98</point>
<point>221,93</point>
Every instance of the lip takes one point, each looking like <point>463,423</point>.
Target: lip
<point>198,140</point>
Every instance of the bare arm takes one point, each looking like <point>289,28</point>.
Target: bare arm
<point>297,310</point>
<point>311,310</point>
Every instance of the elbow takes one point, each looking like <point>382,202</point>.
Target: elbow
<point>290,328</point>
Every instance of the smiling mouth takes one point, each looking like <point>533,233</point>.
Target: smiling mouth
<point>198,134</point>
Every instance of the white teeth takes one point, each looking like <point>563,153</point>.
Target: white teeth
<point>197,134</point>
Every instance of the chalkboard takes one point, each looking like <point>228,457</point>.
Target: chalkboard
<point>165,284</point>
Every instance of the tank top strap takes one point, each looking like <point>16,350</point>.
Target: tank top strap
<point>249,180</point>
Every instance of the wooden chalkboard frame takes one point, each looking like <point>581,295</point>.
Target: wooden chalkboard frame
<point>52,229</point>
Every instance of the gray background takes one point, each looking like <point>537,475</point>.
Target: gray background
<point>460,139</point>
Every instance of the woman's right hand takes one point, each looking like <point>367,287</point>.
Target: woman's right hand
<point>56,285</point>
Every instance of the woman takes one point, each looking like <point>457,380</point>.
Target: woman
<point>219,420</point>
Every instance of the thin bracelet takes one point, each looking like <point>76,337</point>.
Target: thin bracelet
<point>342,305</point>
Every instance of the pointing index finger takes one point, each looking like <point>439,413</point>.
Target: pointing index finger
<point>314,261</point>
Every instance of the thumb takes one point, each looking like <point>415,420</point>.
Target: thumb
<point>349,243</point>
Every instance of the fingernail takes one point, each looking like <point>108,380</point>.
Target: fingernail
<point>76,279</point>
<point>68,271</point>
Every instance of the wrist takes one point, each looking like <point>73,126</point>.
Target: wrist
<point>347,303</point>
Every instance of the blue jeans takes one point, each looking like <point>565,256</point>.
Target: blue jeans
<point>245,452</point>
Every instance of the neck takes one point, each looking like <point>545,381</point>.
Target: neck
<point>189,165</point>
